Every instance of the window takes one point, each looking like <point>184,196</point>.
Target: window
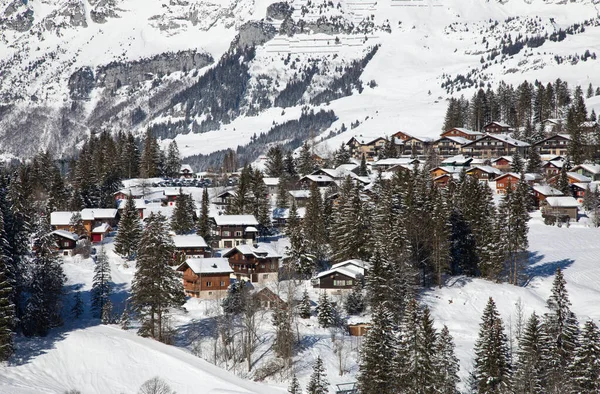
<point>226,233</point>
<point>210,293</point>
<point>66,244</point>
<point>348,283</point>
<point>222,283</point>
<point>339,283</point>
<point>238,233</point>
<point>265,276</point>
<point>272,266</point>
<point>208,284</point>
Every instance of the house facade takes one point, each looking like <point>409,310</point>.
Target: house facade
<point>417,146</point>
<point>495,145</point>
<point>359,146</point>
<point>206,278</point>
<point>66,241</point>
<point>496,128</point>
<point>190,246</point>
<point>450,145</point>
<point>470,135</point>
<point>556,145</point>
<point>257,264</point>
<point>341,277</point>
<point>97,221</point>
<point>484,173</point>
<point>234,230</point>
<point>186,171</point>
<point>561,206</point>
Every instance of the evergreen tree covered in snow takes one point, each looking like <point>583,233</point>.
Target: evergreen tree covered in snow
<point>294,387</point>
<point>299,257</point>
<point>355,303</point>
<point>101,285</point>
<point>129,231</point>
<point>325,311</point>
<point>561,330</point>
<point>156,288</point>
<point>518,164</point>
<point>376,369</point>
<point>341,156</point>
<point>584,370</point>
<point>204,229</point>
<point>77,309</point>
<point>7,306</point>
<point>318,383</point>
<point>446,364</point>
<point>173,160</point>
<point>150,161</point>
<point>242,201</point>
<point>352,228</point>
<point>43,308</point>
<point>274,165</point>
<point>313,224</point>
<point>534,161</point>
<point>492,366</point>
<point>562,182</point>
<point>183,219</point>
<point>529,372</point>
<point>304,307</point>
<point>305,162</point>
<point>261,206</point>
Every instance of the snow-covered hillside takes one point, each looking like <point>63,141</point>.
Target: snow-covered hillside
<point>71,67</point>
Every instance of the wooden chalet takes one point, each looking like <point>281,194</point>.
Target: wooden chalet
<point>280,216</point>
<point>470,135</point>
<point>561,206</point>
<point>458,161</point>
<point>443,180</point>
<point>573,177</point>
<point>234,230</point>
<point>579,189</point>
<point>320,180</point>
<point>271,184</point>
<point>591,171</point>
<point>300,196</point>
<point>224,198</point>
<point>358,329</point>
<point>503,163</point>
<point>439,171</point>
<point>186,171</point>
<point>370,147</point>
<point>190,246</point>
<point>541,192</point>
<point>269,300</point>
<point>496,128</point>
<point>136,192</point>
<point>495,145</point>
<point>402,136</point>
<point>66,241</point>
<point>510,178</point>
<point>484,173</point>
<point>553,125</point>
<point>91,218</point>
<point>256,264</point>
<point>417,146</point>
<point>556,145</point>
<point>388,164</point>
<point>341,277</point>
<point>140,205</point>
<point>552,167</point>
<point>206,278</point>
<point>449,145</point>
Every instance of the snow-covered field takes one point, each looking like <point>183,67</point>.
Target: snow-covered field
<point>93,358</point>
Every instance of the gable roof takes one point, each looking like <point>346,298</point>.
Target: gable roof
<point>579,177</point>
<point>500,137</point>
<point>140,203</point>
<point>259,252</point>
<point>547,190</point>
<point>499,124</point>
<point>317,178</point>
<point>269,181</point>
<point>101,228</point>
<point>189,241</point>
<point>66,234</point>
<point>98,213</point>
<point>61,218</point>
<point>236,220</point>
<point>207,265</point>
<point>486,169</point>
<point>562,202</point>
<point>350,270</point>
<point>458,159</point>
<point>456,139</point>
<point>591,168</point>
<point>464,131</point>
<point>185,168</point>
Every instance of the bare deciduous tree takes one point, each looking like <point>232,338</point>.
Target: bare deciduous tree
<point>155,386</point>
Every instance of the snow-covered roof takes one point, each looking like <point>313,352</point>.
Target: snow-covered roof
<point>140,203</point>
<point>394,161</point>
<point>421,139</point>
<point>236,220</point>
<point>101,228</point>
<point>228,192</point>
<point>487,169</point>
<point>547,190</point>
<point>449,169</point>
<point>592,168</point>
<point>318,178</point>
<point>500,124</point>
<point>186,168</point>
<point>350,270</point>
<point>284,213</point>
<point>344,168</point>
<point>466,131</point>
<point>189,241</point>
<point>271,181</point>
<point>457,139</point>
<point>504,138</point>
<point>156,208</point>
<point>593,186</point>
<point>458,159</point>
<point>507,158</point>
<point>589,124</point>
<point>578,177</point>
<point>66,234</point>
<point>529,177</point>
<point>299,193</point>
<point>354,262</point>
<point>170,192</point>
<point>61,218</point>
<point>251,229</point>
<point>208,265</point>
<point>553,120</point>
<point>260,252</point>
<point>562,202</point>
<point>98,213</point>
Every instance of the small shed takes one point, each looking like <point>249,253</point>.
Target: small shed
<point>561,206</point>
<point>358,329</point>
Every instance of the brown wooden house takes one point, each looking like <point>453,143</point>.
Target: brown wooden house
<point>449,145</point>
<point>470,135</point>
<point>503,163</point>
<point>234,230</point>
<point>269,300</point>
<point>484,173</point>
<point>341,277</point>
<point>258,264</point>
<point>206,278</point>
<point>495,145</point>
<point>369,147</point>
<point>496,128</point>
<point>541,192</point>
<point>561,206</point>
<point>66,241</point>
<point>186,171</point>
<point>556,145</point>
<point>552,168</point>
<point>190,246</point>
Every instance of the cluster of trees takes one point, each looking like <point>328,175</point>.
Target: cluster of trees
<point>426,231</point>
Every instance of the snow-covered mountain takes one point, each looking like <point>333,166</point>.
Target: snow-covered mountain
<point>214,74</point>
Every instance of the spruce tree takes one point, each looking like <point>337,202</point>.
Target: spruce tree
<point>107,313</point>
<point>318,383</point>
<point>182,221</point>
<point>260,207</point>
<point>325,312</point>
<point>282,201</point>
<point>341,156</point>
<point>352,228</point>
<point>7,306</point>
<point>313,224</point>
<point>43,308</point>
<point>294,387</point>
<point>561,331</point>
<point>355,303</point>
<point>101,285</point>
<point>242,201</point>
<point>531,359</point>
<point>305,162</point>
<point>362,168</point>
<point>562,183</point>
<point>284,335</point>
<point>129,230</point>
<point>173,160</point>
<point>274,165</point>
<point>304,307</point>
<point>299,257</point>
<point>446,364</point>
<point>150,160</point>
<point>584,370</point>
<point>492,366</point>
<point>376,370</point>
<point>125,319</point>
<point>204,229</point>
<point>517,166</point>
<point>76,225</point>
<point>156,288</point>
<point>534,161</point>
<point>77,309</point>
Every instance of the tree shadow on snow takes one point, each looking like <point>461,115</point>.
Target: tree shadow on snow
<point>536,268</point>
<point>28,348</point>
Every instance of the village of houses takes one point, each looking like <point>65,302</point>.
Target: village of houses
<point>237,251</point>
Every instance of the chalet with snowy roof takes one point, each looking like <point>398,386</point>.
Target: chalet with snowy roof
<point>494,145</point>
<point>186,171</point>
<point>224,198</point>
<point>591,171</point>
<point>91,218</point>
<point>496,128</point>
<point>579,189</point>
<point>470,135</point>
<point>573,177</point>
<point>449,145</point>
<point>553,125</point>
<point>457,161</point>
<point>556,145</point>
<point>512,179</point>
<point>439,171</point>
<point>484,173</point>
<point>100,232</point>
<point>206,278</point>
<point>256,264</point>
<point>136,192</point>
<point>561,206</point>
<point>300,196</point>
<point>171,194</point>
<point>341,277</point>
<point>267,299</point>
<point>417,146</point>
<point>140,205</point>
<point>330,172</point>
<point>190,246</point>
<point>541,192</point>
<point>280,216</point>
<point>370,147</point>
<point>552,167</point>
<point>503,163</point>
<point>271,184</point>
<point>234,230</point>
<point>442,180</point>
<point>319,180</point>
<point>402,136</point>
<point>66,241</point>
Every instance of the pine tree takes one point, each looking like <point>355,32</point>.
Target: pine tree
<point>376,370</point>
<point>446,364</point>
<point>585,367</point>
<point>130,157</point>
<point>426,361</point>
<point>274,165</point>
<point>355,303</point>
<point>284,335</point>
<point>299,257</point>
<point>318,383</point>
<point>517,166</point>
<point>77,309</point>
<point>150,160</point>
<point>156,287</point>
<point>125,319</point>
<point>294,387</point>
<point>313,224</point>
<point>57,196</point>
<point>492,366</point>
<point>182,221</point>
<point>325,311</point>
<point>534,161</point>
<point>173,160</point>
<point>341,156</point>
<point>76,225</point>
<point>129,231</point>
<point>107,313</point>
<point>362,169</point>
<point>531,358</point>
<point>101,285</point>
<point>306,162</point>
<point>562,182</point>
<point>561,331</point>
<point>304,307</point>
<point>42,311</point>
<point>282,201</point>
<point>242,202</point>
<point>260,206</point>
<point>7,307</point>
<point>204,229</point>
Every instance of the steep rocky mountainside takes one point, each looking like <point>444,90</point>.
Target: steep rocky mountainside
<point>218,74</point>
